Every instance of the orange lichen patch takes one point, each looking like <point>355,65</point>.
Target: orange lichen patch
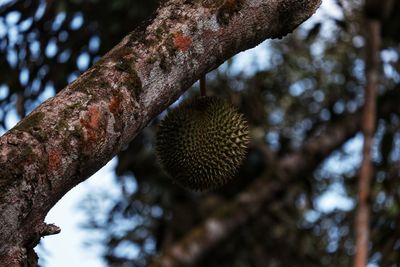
<point>114,104</point>
<point>92,122</point>
<point>94,117</point>
<point>182,42</point>
<point>54,161</point>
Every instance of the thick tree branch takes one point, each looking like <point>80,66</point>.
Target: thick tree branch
<point>232,215</point>
<point>72,135</point>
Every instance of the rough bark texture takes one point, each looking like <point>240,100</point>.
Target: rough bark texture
<point>73,134</point>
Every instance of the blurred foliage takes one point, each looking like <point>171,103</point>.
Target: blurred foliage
<point>290,92</point>
<point>44,45</point>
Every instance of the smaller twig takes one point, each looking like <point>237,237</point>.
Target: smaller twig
<point>368,125</point>
<point>49,229</point>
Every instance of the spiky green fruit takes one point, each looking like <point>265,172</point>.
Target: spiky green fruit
<point>202,143</point>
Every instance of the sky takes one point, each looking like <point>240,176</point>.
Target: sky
<point>54,250</point>
<point>67,249</point>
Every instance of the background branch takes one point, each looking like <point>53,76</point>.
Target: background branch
<point>366,171</point>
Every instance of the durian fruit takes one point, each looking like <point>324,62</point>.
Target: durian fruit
<point>202,143</point>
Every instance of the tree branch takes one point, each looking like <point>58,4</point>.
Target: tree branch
<point>75,133</point>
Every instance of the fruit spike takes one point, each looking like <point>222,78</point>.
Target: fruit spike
<point>202,143</point>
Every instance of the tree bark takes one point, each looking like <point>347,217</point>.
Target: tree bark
<point>75,133</point>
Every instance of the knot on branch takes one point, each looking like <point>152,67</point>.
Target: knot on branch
<point>42,230</point>
<point>49,229</point>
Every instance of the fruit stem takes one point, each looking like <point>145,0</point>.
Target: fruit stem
<point>203,85</point>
